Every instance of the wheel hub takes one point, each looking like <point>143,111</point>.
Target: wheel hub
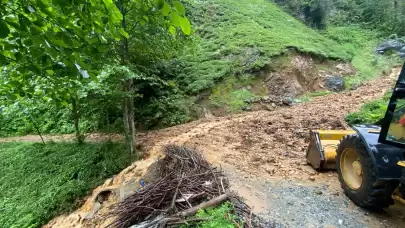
<point>357,168</point>
<point>351,168</point>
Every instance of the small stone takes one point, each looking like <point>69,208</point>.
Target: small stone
<point>286,116</point>
<point>340,221</point>
<point>267,107</point>
<point>273,105</point>
<point>318,192</point>
<point>287,101</point>
<point>270,170</point>
<point>312,178</point>
<point>271,160</point>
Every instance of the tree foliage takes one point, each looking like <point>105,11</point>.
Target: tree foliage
<point>384,15</point>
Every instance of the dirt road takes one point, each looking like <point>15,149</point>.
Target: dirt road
<point>263,154</point>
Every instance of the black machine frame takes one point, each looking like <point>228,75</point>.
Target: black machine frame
<point>398,93</point>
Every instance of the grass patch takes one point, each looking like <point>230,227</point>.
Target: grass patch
<point>220,216</point>
<point>39,181</point>
<point>242,36</point>
<point>308,97</point>
<point>232,93</point>
<point>371,112</point>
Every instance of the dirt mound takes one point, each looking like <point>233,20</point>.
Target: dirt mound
<point>300,74</point>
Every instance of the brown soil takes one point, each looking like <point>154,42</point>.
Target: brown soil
<point>257,145</point>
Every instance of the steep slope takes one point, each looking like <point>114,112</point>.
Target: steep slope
<point>238,37</point>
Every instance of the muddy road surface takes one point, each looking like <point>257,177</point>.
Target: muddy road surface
<point>263,153</point>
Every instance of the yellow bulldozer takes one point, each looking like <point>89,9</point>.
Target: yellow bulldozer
<point>369,159</point>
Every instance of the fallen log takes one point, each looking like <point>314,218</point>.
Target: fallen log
<point>162,221</point>
<point>213,202</point>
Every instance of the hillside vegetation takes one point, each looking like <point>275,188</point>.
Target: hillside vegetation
<point>237,37</point>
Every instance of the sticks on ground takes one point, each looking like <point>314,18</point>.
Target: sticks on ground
<point>183,171</point>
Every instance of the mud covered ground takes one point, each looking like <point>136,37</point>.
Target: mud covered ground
<point>263,153</point>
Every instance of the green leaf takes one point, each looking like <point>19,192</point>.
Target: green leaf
<point>185,25</point>
<point>4,30</point>
<point>50,72</point>
<point>18,56</point>
<point>159,3</point>
<point>179,7</point>
<point>24,22</point>
<point>174,18</point>
<point>28,42</point>
<point>124,33</point>
<point>166,9</point>
<point>172,30</point>
<point>3,60</point>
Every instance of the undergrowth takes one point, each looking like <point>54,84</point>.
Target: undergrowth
<point>233,91</point>
<point>308,97</point>
<point>220,216</point>
<point>371,112</point>
<point>39,181</point>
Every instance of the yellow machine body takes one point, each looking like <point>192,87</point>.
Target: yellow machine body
<point>321,152</point>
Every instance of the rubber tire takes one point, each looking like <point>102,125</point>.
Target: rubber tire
<point>373,194</point>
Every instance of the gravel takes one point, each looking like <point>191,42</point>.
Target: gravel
<point>294,205</point>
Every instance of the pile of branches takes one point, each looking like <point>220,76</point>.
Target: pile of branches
<point>186,182</point>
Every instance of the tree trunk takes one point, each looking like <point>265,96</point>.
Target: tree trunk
<point>37,129</point>
<point>129,112</point>
<point>76,117</point>
<point>131,119</point>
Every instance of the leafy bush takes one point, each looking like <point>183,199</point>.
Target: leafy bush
<point>220,216</point>
<point>39,181</point>
<point>371,112</point>
<point>231,93</point>
<point>166,110</point>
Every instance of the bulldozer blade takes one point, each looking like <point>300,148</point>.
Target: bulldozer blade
<point>321,152</point>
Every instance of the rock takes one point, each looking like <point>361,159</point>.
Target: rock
<point>251,100</point>
<point>335,83</point>
<point>287,116</point>
<point>273,105</point>
<point>270,170</point>
<point>287,101</point>
<point>388,45</point>
<point>246,108</point>
<point>402,52</point>
<point>312,178</point>
<point>340,221</point>
<point>318,192</point>
<point>267,107</point>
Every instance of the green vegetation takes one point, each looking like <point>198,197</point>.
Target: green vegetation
<point>40,181</point>
<point>237,37</point>
<point>361,44</point>
<point>371,112</point>
<point>308,97</point>
<point>220,216</point>
<point>383,15</point>
<point>232,92</point>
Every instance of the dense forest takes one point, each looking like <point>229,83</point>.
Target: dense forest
<point>125,66</point>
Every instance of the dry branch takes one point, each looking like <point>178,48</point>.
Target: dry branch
<point>214,202</point>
